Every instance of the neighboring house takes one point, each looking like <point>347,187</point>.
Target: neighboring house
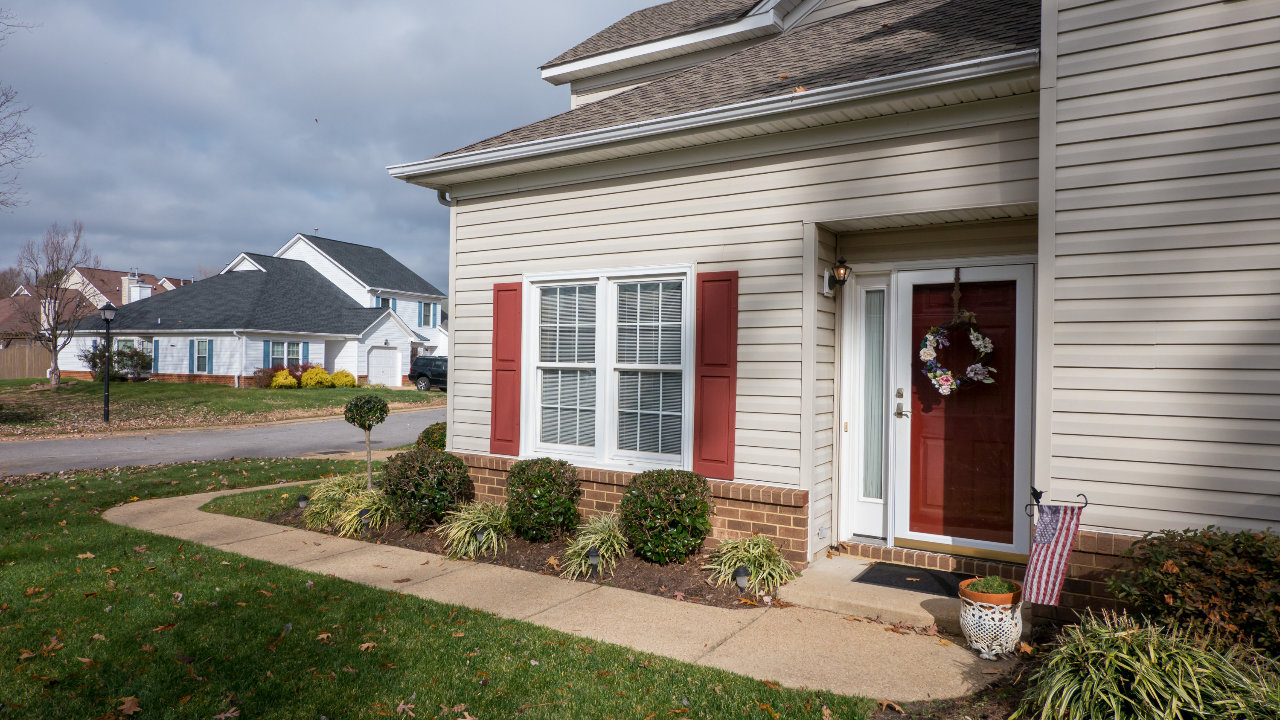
<point>22,353</point>
<point>641,281</point>
<point>306,303</point>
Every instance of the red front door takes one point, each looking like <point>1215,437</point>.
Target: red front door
<point>962,479</point>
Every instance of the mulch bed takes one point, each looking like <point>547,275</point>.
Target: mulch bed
<point>685,581</point>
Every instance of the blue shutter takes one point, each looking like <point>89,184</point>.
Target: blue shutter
<point>155,356</point>
<point>420,304</point>
<point>266,353</point>
<point>435,314</point>
<point>191,357</point>
<point>393,304</point>
<point>306,350</point>
<point>208,363</point>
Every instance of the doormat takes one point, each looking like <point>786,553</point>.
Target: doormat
<point>933,582</point>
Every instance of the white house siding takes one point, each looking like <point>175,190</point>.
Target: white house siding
<point>304,251</point>
<point>384,332</point>
<point>746,215</point>
<point>407,310</point>
<point>341,355</point>
<point>1164,118</point>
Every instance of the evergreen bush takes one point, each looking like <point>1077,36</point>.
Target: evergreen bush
<point>666,514</point>
<point>343,379</point>
<point>282,380</point>
<point>424,484</point>
<point>542,498</point>
<point>433,437</point>
<point>316,377</point>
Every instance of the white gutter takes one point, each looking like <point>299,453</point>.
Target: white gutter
<point>810,99</point>
<point>389,291</point>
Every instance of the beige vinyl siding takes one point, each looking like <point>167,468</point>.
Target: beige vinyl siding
<point>962,240</point>
<point>823,413</point>
<point>746,215</point>
<point>1166,264</point>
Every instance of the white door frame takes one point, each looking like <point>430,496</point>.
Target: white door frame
<point>901,276</point>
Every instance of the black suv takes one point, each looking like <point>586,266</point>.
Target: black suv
<point>427,371</point>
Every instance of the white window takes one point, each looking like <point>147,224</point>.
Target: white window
<point>611,355</point>
<point>277,354</point>
<point>295,354</point>
<point>203,359</point>
<point>124,345</point>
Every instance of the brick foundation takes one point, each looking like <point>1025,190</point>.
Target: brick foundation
<point>1094,557</point>
<point>740,509</point>
<point>200,379</point>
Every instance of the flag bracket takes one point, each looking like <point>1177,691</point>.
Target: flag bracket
<point>1036,495</point>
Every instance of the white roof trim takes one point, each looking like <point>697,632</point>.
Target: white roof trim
<point>237,259</point>
<point>389,291</point>
<point>756,24</point>
<point>916,79</point>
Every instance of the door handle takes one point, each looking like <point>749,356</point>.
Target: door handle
<point>900,413</point>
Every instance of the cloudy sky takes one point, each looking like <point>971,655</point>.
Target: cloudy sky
<point>181,133</point>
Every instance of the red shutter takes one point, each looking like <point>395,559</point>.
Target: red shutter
<point>715,397</point>
<point>504,408</point>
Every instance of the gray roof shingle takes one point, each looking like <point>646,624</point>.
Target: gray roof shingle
<point>289,296</point>
<point>374,266</point>
<point>656,23</point>
<point>877,41</point>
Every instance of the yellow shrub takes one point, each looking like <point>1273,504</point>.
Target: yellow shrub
<point>316,377</point>
<point>342,378</point>
<point>282,380</point>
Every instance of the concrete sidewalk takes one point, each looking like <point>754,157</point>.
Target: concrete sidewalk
<point>795,646</point>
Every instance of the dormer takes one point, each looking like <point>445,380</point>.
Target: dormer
<point>657,41</point>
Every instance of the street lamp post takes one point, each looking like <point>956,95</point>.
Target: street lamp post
<point>108,313</point>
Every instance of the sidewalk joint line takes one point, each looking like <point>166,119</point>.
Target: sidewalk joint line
<point>730,636</point>
<point>528,618</point>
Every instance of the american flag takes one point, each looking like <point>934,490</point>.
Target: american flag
<point>1055,532</point>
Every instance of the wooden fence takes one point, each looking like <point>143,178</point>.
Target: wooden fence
<point>24,359</point>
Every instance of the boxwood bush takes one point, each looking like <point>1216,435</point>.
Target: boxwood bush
<point>1213,581</point>
<point>423,485</point>
<point>433,437</point>
<point>666,514</point>
<point>542,498</point>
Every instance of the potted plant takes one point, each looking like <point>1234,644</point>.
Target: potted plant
<point>991,614</point>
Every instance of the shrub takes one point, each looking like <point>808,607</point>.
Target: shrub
<point>1211,580</point>
<point>542,498</point>
<point>343,379</point>
<point>372,503</point>
<point>297,371</point>
<point>666,514</point>
<point>126,363</point>
<point>263,376</point>
<point>602,532</point>
<point>433,437</point>
<point>1116,667</point>
<point>423,485</point>
<point>316,377</point>
<point>134,362</point>
<point>365,411</point>
<point>283,380</point>
<point>758,553</point>
<point>326,499</point>
<point>477,528</point>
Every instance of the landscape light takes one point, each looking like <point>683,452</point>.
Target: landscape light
<point>741,575</point>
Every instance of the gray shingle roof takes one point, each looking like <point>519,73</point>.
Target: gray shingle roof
<point>655,23</point>
<point>374,266</point>
<point>877,41</point>
<point>289,296</point>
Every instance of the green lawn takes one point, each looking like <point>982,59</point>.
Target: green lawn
<point>93,614</point>
<point>77,406</point>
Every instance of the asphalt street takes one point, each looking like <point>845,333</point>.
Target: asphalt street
<point>32,456</point>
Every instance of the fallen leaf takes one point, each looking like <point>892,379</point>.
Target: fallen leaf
<point>944,642</point>
<point>1024,647</point>
<point>784,76</point>
<point>679,596</point>
<point>459,634</point>
<point>401,580</point>
<point>232,713</point>
<point>164,627</point>
<point>324,637</point>
<point>98,636</point>
<point>855,618</point>
<point>799,89</point>
<point>768,707</point>
<point>32,591</point>
<point>826,713</point>
<point>771,684</point>
<point>24,654</point>
<point>405,709</point>
<point>147,648</point>
<point>748,601</point>
<point>86,556</point>
<point>264,592</point>
<point>86,661</point>
<point>890,705</point>
<point>129,705</point>
<point>366,647</point>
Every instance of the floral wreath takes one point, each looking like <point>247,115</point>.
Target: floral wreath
<point>941,377</point>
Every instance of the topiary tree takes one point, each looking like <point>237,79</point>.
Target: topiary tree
<point>365,411</point>
<point>666,514</point>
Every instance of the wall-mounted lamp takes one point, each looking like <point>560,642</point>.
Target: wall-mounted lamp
<point>835,277</point>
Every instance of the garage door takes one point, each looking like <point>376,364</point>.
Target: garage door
<point>384,366</point>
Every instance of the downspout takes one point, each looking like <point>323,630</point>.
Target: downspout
<point>240,371</point>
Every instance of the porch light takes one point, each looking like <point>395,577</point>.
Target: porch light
<point>840,273</point>
<point>302,502</point>
<point>741,575</point>
<point>108,312</point>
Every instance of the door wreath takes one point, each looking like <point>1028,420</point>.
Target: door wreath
<point>977,372</point>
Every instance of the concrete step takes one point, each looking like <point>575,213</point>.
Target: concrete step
<point>828,584</point>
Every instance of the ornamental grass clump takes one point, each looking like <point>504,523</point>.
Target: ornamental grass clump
<point>423,485</point>
<point>325,502</point>
<point>759,555</point>
<point>433,437</point>
<point>316,377</point>
<point>476,529</point>
<point>363,510</point>
<point>602,532</point>
<point>666,514</point>
<point>282,380</point>
<point>1114,666</point>
<point>343,379</point>
<point>1213,581</point>
<point>542,498</point>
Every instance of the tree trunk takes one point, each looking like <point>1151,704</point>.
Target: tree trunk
<point>368,458</point>
<point>55,375</point>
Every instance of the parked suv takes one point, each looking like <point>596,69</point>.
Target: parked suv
<point>427,371</point>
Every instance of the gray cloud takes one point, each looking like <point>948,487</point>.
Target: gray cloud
<point>183,133</point>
